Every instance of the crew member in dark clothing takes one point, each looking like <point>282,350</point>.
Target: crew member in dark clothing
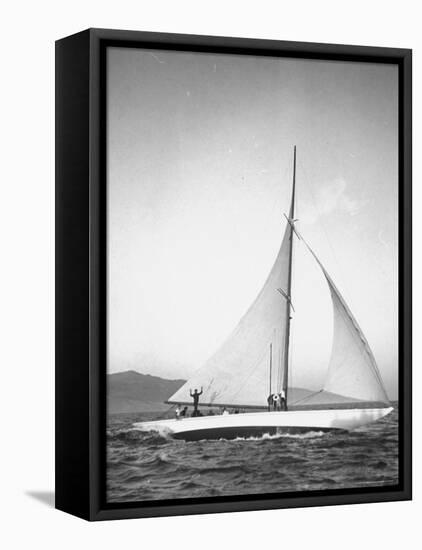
<point>195,396</point>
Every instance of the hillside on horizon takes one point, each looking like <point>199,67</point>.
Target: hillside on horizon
<point>130,391</point>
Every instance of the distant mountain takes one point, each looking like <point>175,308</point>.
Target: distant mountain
<point>131,391</point>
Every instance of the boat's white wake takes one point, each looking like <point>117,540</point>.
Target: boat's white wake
<point>307,435</point>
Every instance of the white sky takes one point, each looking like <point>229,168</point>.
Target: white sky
<point>200,150</point>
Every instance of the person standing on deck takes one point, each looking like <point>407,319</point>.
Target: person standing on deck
<point>195,396</point>
<point>283,402</point>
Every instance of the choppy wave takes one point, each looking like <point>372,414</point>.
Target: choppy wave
<point>151,465</point>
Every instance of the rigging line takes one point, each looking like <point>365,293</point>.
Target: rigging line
<point>292,325</point>
<point>280,371</point>
<point>274,365</point>
<point>321,222</point>
<point>251,372</point>
<point>271,368</point>
<point>307,397</point>
<point>167,411</point>
<point>289,365</point>
<point>291,370</point>
<point>308,186</point>
<point>281,364</point>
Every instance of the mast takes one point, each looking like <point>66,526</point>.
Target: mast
<point>227,375</point>
<point>289,283</point>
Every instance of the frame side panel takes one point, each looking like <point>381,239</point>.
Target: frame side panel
<point>72,275</point>
<point>405,274</point>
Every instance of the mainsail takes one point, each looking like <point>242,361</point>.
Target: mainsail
<point>238,373</point>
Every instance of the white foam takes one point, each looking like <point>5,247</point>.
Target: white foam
<point>307,435</point>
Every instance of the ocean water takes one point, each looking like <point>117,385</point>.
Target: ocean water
<point>146,466</point>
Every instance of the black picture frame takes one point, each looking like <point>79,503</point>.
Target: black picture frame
<point>81,274</point>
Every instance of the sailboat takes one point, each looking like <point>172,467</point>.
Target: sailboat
<point>253,363</point>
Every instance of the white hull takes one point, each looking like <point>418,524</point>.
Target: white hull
<point>256,424</point>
